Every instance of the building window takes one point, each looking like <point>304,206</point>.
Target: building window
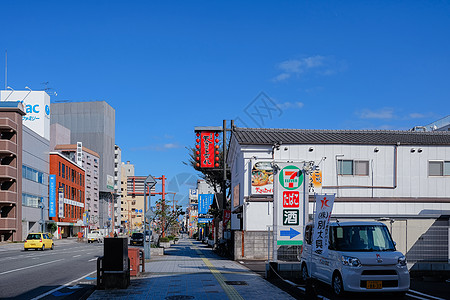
<point>353,167</point>
<point>438,168</point>
<point>32,174</point>
<point>31,200</point>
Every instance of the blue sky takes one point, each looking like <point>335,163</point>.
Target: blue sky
<point>168,67</point>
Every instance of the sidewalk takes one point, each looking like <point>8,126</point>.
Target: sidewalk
<point>190,270</point>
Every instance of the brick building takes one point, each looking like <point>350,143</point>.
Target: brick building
<point>67,203</point>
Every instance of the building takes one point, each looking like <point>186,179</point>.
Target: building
<point>117,188</point>
<point>11,114</point>
<point>36,106</point>
<point>67,181</point>
<point>35,171</point>
<point>132,204</point>
<point>93,124</point>
<point>401,178</point>
<point>90,163</point>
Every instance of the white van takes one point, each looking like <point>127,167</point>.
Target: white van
<point>361,258</point>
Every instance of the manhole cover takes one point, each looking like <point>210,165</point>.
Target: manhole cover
<point>236,282</point>
<point>179,297</point>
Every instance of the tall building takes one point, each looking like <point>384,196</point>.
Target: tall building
<point>90,163</point>
<point>132,206</point>
<point>93,124</point>
<point>117,191</point>
<point>10,171</point>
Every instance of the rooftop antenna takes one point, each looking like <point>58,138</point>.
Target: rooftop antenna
<point>46,86</point>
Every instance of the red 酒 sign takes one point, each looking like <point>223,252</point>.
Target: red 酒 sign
<point>291,199</point>
<point>207,149</point>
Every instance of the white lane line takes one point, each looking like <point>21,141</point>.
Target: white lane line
<point>417,297</point>
<point>77,255</point>
<point>92,259</point>
<point>15,270</point>
<point>425,295</point>
<point>62,286</point>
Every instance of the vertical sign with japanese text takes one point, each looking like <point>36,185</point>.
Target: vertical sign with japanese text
<point>207,149</point>
<point>52,196</point>
<point>324,206</point>
<point>61,203</point>
<point>289,206</point>
<point>204,203</point>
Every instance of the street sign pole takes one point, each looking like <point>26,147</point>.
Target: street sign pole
<point>149,182</point>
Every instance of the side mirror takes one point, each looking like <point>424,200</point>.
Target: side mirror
<point>395,244</point>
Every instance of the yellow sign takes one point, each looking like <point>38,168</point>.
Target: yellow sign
<point>316,178</point>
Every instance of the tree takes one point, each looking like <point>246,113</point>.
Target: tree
<point>167,215</point>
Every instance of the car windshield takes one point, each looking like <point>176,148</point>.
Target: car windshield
<point>137,235</point>
<point>34,236</point>
<point>361,238</point>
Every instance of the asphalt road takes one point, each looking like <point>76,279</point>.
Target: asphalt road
<point>428,289</point>
<point>67,272</point>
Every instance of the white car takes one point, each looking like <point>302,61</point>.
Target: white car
<point>361,258</point>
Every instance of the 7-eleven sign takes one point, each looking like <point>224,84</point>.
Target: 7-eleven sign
<point>291,177</point>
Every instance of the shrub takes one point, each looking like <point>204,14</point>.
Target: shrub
<point>170,237</point>
<point>164,240</point>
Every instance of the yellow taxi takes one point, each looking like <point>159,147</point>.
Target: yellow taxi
<point>38,241</point>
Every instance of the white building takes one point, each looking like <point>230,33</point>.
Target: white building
<point>117,186</point>
<point>399,177</point>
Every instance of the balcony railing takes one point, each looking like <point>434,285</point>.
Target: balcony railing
<point>7,146</point>
<point>7,223</point>
<point>8,172</point>
<point>8,197</point>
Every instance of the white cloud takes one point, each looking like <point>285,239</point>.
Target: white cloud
<point>300,66</point>
<point>282,77</point>
<point>384,113</point>
<point>290,105</point>
<point>418,116</point>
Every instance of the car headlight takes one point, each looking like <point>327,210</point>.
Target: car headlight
<point>402,261</point>
<point>350,261</point>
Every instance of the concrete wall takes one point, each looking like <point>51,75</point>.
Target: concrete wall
<point>255,245</point>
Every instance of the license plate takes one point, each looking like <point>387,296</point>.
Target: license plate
<point>374,284</point>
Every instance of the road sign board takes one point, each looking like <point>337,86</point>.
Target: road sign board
<point>150,181</point>
<point>150,214</point>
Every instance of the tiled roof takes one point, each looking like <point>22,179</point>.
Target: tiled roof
<point>260,136</point>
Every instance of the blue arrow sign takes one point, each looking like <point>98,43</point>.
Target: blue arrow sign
<point>290,233</point>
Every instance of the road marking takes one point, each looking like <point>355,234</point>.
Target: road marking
<point>425,295</point>
<point>417,297</point>
<point>46,263</point>
<point>76,255</point>
<point>92,259</point>
<point>229,290</point>
<point>62,286</point>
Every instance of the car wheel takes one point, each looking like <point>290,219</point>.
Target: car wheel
<point>43,247</point>
<point>25,249</point>
<point>52,247</point>
<point>304,273</point>
<point>337,285</point>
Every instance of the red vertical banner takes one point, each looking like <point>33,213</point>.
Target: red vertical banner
<point>207,149</point>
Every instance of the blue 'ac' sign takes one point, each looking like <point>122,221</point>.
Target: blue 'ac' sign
<point>204,202</point>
